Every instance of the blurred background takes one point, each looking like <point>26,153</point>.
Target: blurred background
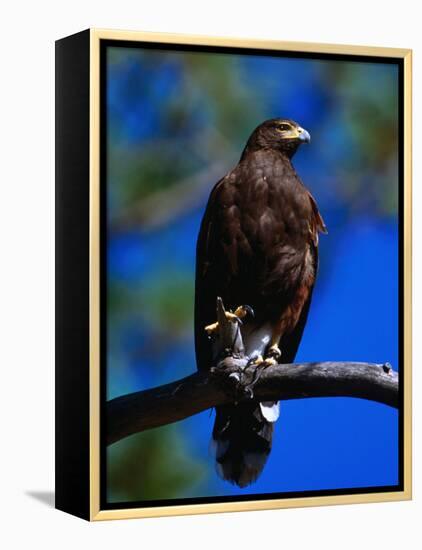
<point>177,122</point>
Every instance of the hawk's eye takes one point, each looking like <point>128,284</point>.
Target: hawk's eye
<point>284,127</point>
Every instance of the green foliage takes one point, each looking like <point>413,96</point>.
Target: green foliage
<point>153,465</point>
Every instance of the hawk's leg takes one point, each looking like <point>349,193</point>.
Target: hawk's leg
<point>273,352</point>
<point>272,355</point>
<point>285,324</point>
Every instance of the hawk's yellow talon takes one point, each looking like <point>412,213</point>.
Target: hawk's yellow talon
<point>231,316</point>
<point>237,316</point>
<point>243,311</point>
<point>274,352</point>
<point>269,362</point>
<point>256,361</point>
<point>210,329</point>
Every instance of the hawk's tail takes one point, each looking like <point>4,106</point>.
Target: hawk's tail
<point>242,439</point>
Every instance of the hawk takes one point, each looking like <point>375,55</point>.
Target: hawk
<point>257,245</point>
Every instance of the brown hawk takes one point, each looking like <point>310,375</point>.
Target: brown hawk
<point>257,245</point>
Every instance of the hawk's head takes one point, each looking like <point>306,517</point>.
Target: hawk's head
<point>281,134</point>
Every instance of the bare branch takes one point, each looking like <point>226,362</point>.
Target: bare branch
<point>232,379</point>
<point>172,402</point>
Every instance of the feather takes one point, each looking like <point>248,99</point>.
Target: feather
<point>270,410</point>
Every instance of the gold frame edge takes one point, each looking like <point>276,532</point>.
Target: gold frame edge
<point>94,266</point>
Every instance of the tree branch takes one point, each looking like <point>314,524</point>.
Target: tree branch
<point>172,402</point>
<point>232,380</point>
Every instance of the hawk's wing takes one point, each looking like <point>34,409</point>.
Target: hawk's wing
<point>206,280</point>
<point>290,342</point>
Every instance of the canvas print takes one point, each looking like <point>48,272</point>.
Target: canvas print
<point>251,286</point>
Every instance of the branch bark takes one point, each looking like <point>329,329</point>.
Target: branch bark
<point>172,402</point>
